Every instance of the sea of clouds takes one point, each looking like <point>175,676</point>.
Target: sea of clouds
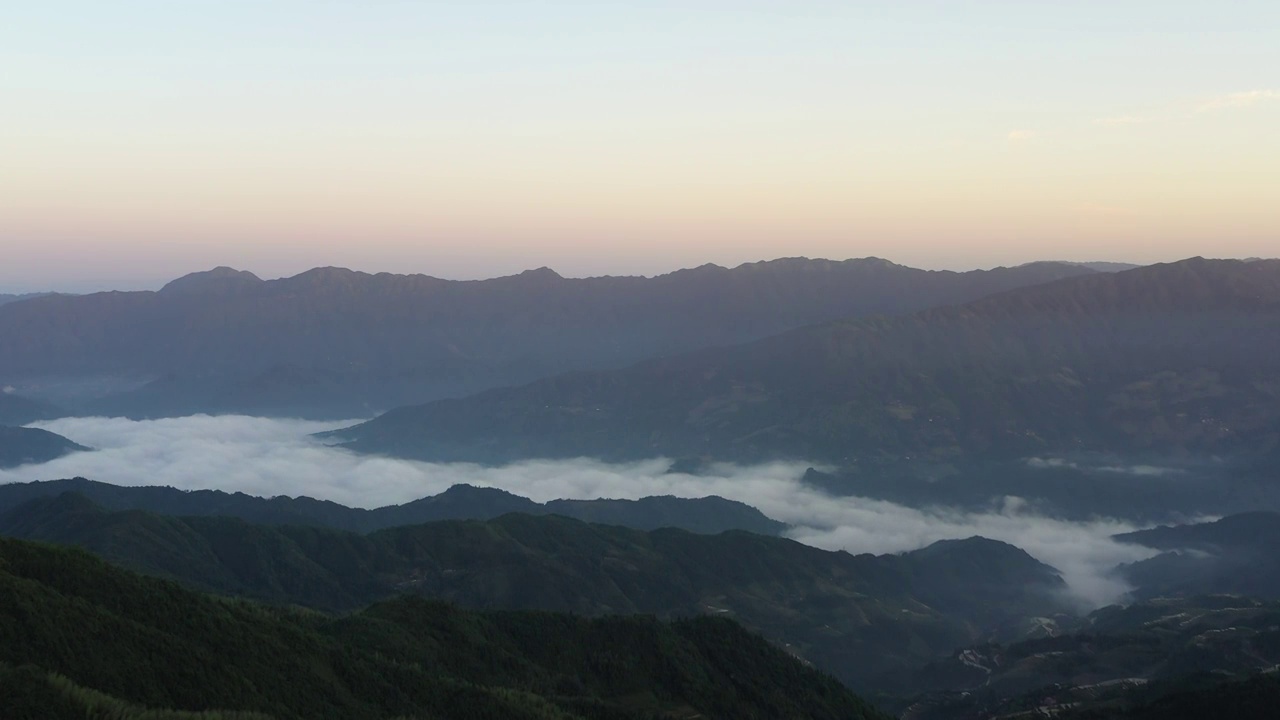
<point>269,457</point>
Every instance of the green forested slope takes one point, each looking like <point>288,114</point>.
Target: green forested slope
<point>835,609</point>
<point>149,643</point>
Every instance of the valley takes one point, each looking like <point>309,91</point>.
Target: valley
<point>639,360</point>
<point>888,524</point>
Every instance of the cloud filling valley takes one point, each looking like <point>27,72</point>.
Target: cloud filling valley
<point>269,457</point>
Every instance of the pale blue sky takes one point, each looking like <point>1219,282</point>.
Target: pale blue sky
<point>141,140</point>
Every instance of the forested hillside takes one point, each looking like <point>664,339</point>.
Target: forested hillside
<point>832,608</point>
<point>83,639</point>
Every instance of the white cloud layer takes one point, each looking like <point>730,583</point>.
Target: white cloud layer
<point>1050,463</point>
<point>271,457</point>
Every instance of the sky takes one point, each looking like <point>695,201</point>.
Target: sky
<point>141,140</point>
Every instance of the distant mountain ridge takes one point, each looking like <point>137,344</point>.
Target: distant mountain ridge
<point>5,299</point>
<point>1177,358</point>
<point>338,344</point>
<point>1236,554</point>
<point>20,446</point>
<point>707,515</point>
<point>1102,266</point>
<point>18,410</point>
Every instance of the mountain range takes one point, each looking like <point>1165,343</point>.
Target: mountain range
<point>87,640</point>
<point>1236,554</point>
<point>708,515</point>
<point>1181,359</point>
<point>1078,389</point>
<point>335,343</point>
<point>5,299</point>
<point>834,609</point>
<point>934,619</point>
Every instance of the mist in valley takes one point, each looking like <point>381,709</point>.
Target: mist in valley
<point>269,457</point>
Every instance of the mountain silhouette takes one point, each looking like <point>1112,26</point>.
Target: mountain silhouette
<point>1179,358</point>
<point>336,343</point>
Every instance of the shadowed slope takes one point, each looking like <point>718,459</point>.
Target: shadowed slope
<point>1176,358</point>
<point>833,608</point>
<point>461,502</point>
<point>339,344</point>
<point>19,446</point>
<point>148,643</point>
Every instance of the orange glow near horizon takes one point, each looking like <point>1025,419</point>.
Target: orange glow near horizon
<point>623,142</point>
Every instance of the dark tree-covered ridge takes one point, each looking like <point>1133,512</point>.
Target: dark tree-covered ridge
<point>80,634</point>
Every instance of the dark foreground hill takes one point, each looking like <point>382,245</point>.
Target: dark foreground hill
<point>461,502</point>
<point>1255,698</point>
<point>855,616</point>
<point>1118,662</point>
<point>19,446</point>
<point>83,639</point>
<point>341,344</point>
<point>1177,359</point>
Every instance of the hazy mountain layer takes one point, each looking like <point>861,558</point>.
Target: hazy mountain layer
<point>19,446</point>
<point>82,639</point>
<point>1236,554</point>
<point>461,502</point>
<point>5,299</point>
<point>1108,266</point>
<point>337,343</point>
<point>1178,359</point>
<point>18,410</point>
<point>835,609</point>
<point>1117,662</point>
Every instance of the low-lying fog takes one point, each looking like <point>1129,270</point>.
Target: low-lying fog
<point>267,457</point>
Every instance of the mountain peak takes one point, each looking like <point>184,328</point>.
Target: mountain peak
<point>221,279</point>
<point>541,273</point>
<point>973,545</point>
<point>993,558</point>
<point>466,490</point>
<point>324,275</point>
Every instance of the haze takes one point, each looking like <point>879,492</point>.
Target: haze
<point>765,359</point>
<point>142,140</point>
<point>269,457</point>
